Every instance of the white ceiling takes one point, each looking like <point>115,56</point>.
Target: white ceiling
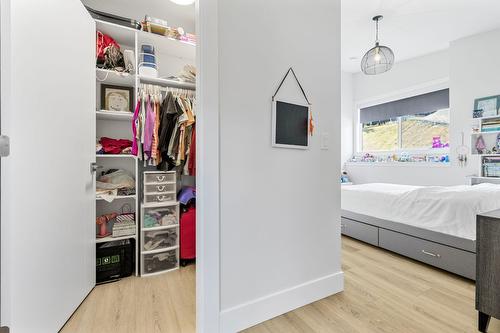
<point>176,15</point>
<point>412,28</point>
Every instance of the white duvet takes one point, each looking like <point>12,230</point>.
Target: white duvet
<point>451,210</point>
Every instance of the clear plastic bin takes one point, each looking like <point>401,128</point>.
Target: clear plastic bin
<point>160,216</point>
<point>159,239</point>
<point>159,177</point>
<point>159,188</point>
<point>159,262</point>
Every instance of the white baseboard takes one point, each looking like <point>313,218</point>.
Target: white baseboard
<point>251,313</point>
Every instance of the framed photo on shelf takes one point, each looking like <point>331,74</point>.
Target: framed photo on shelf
<point>117,98</point>
<point>488,105</point>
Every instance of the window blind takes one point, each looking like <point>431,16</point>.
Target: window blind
<point>421,104</point>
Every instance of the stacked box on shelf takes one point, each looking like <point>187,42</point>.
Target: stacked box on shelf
<point>159,223</point>
<point>490,125</point>
<point>491,166</point>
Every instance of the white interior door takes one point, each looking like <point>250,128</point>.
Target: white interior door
<point>47,189</point>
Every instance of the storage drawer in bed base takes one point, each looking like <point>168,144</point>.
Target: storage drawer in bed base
<point>362,231</point>
<point>448,258</point>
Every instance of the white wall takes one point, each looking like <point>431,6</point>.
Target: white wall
<point>280,235</point>
<point>346,114</point>
<point>471,73</point>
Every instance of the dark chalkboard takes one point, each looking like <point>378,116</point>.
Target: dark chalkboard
<point>291,125</point>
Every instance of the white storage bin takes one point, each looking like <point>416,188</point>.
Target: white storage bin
<point>160,188</point>
<point>160,261</point>
<point>159,177</point>
<point>159,239</point>
<point>159,197</point>
<point>147,71</point>
<point>155,216</point>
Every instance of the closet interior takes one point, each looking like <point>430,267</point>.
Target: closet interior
<point>145,148</point>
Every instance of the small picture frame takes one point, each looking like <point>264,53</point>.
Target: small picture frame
<point>488,105</point>
<point>116,98</point>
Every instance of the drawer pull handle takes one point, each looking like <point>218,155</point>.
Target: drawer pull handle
<point>435,255</point>
<point>160,178</point>
<point>160,188</point>
<point>160,197</point>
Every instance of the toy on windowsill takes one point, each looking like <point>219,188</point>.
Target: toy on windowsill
<point>344,178</point>
<point>436,143</point>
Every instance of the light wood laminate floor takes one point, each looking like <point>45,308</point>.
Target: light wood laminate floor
<point>384,292</point>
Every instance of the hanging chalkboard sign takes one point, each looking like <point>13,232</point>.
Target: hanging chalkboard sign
<point>290,121</point>
<point>290,125</point>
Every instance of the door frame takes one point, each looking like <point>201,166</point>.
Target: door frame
<point>4,79</point>
<point>207,169</point>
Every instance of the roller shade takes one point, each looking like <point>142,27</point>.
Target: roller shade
<point>421,104</point>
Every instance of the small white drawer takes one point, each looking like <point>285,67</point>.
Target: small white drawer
<point>159,188</point>
<point>159,197</point>
<point>159,262</point>
<point>155,177</point>
<point>159,239</point>
<point>158,217</point>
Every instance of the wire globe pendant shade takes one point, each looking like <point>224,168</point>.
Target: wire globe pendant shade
<point>378,59</point>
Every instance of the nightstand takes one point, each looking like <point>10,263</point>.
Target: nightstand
<point>487,268</point>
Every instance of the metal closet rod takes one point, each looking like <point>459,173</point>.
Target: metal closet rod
<point>146,86</point>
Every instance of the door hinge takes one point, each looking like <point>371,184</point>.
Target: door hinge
<point>4,152</point>
<point>4,329</point>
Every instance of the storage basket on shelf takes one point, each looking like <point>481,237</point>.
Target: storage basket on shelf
<point>114,260</point>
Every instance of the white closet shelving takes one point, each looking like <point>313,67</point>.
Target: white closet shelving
<point>171,55</point>
<point>489,138</point>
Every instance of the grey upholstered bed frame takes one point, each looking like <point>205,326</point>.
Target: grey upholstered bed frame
<point>451,253</point>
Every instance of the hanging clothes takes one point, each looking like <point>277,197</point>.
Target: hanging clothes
<point>163,128</point>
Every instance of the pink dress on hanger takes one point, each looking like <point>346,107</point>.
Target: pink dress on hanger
<point>134,127</point>
<point>149,128</point>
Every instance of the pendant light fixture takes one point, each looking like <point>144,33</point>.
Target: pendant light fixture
<point>378,59</point>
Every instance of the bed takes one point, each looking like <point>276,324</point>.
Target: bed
<point>432,224</point>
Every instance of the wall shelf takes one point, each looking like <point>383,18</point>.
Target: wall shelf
<point>109,76</point>
<point>111,239</point>
<point>167,83</point>
<point>115,156</point>
<point>119,197</point>
<point>124,36</point>
<point>483,133</point>
<point>168,46</point>
<point>114,115</point>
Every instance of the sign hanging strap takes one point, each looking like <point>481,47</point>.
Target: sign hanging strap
<point>298,82</point>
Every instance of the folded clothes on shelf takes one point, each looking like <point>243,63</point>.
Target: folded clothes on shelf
<point>113,146</point>
<point>114,182</point>
<point>160,217</point>
<point>160,239</point>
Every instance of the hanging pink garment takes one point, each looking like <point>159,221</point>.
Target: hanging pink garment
<point>149,129</point>
<point>135,121</point>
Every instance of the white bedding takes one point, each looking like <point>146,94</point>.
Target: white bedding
<point>450,210</point>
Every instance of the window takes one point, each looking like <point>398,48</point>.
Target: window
<point>415,123</point>
<point>380,135</point>
<point>425,131</point>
